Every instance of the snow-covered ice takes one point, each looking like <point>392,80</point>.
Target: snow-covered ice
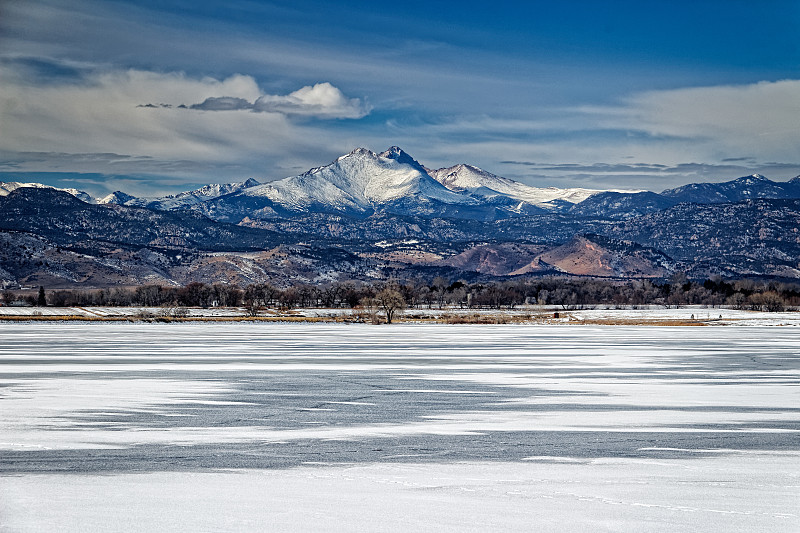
<point>241,426</point>
<point>753,493</point>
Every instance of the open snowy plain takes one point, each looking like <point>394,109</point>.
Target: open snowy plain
<point>409,427</point>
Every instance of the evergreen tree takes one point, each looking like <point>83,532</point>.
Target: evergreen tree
<point>41,301</point>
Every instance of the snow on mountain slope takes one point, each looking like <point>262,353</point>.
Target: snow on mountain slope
<point>173,202</point>
<point>181,200</point>
<point>7,186</point>
<point>745,188</point>
<point>363,181</point>
<point>478,182</point>
<point>359,182</point>
<point>190,198</point>
<point>119,198</point>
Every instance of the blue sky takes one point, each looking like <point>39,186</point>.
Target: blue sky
<point>157,97</point>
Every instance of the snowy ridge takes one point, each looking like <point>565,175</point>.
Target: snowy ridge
<point>478,182</point>
<point>207,192</point>
<point>181,200</point>
<point>744,188</point>
<point>7,187</point>
<point>171,202</point>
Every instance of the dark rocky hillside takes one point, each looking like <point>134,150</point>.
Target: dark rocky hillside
<point>51,238</point>
<point>743,238</point>
<point>67,221</point>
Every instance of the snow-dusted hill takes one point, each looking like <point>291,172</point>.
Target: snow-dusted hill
<point>7,186</point>
<point>744,188</point>
<point>183,200</point>
<point>120,198</point>
<point>173,202</point>
<point>479,183</point>
<point>614,204</point>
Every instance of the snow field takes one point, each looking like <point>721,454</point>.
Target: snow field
<point>753,492</point>
<point>297,427</point>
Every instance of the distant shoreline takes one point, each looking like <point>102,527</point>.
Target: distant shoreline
<point>651,316</point>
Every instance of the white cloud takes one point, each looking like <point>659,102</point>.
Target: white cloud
<point>222,103</point>
<point>100,114</point>
<point>321,100</point>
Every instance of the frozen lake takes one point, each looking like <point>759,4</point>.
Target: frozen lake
<point>408,427</point>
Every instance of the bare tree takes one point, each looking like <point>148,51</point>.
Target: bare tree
<point>438,287</point>
<point>391,301</point>
<point>370,307</point>
<point>8,297</point>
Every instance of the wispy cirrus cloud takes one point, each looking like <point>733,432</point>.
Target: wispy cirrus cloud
<point>161,89</point>
<point>658,176</point>
<point>762,118</point>
<point>651,139</point>
<point>149,119</point>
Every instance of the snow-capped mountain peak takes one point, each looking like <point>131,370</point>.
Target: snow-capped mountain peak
<point>752,179</point>
<point>117,197</point>
<point>397,153</point>
<point>362,182</point>
<point>359,182</point>
<point>363,152</point>
<point>464,177</point>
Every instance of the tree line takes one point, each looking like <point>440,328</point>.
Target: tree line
<point>440,292</point>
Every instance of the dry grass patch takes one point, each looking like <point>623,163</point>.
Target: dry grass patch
<point>63,318</point>
<point>479,318</point>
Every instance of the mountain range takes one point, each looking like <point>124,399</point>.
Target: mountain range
<point>373,215</point>
<point>363,182</point>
